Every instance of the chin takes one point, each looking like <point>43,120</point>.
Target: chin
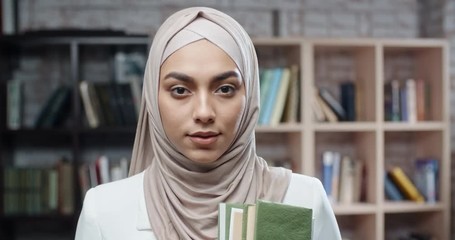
<point>203,158</point>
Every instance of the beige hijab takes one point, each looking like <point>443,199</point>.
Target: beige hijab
<point>182,196</point>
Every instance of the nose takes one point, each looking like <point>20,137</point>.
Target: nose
<point>203,109</point>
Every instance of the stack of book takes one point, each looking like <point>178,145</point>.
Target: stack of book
<point>38,191</point>
<point>101,171</point>
<point>407,100</point>
<point>398,185</point>
<point>326,107</point>
<point>279,97</point>
<point>111,103</point>
<point>343,178</point>
<point>264,220</point>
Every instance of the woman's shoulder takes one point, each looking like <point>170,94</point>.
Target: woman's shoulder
<point>304,190</point>
<point>119,191</point>
<point>300,181</point>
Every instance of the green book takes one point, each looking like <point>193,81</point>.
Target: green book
<point>264,220</point>
<point>226,211</point>
<point>282,221</point>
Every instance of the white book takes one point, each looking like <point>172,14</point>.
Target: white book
<point>87,101</point>
<point>347,180</point>
<point>104,169</point>
<point>411,100</point>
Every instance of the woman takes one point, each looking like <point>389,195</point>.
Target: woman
<point>195,145</point>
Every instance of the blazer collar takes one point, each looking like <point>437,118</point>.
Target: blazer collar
<point>142,221</point>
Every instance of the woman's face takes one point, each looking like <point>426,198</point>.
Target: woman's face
<point>201,99</point>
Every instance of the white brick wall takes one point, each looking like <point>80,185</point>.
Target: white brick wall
<point>343,18</point>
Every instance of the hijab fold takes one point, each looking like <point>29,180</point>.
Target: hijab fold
<point>182,196</point>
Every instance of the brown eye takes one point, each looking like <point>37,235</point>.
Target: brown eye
<point>226,90</point>
<point>180,91</point>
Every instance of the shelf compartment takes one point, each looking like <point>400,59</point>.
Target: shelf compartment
<point>41,70</point>
<point>281,149</point>
<point>419,62</point>
<point>402,149</point>
<point>274,59</point>
<point>359,146</point>
<point>357,226</point>
<point>338,64</point>
<point>399,225</point>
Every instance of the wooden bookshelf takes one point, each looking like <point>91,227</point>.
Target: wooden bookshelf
<point>370,63</point>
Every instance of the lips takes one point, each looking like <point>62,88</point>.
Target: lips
<point>204,138</point>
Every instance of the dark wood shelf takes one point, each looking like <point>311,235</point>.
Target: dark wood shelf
<point>74,137</point>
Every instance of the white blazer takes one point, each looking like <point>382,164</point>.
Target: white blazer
<point>117,210</point>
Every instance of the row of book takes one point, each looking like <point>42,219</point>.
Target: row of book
<point>398,186</point>
<point>279,95</point>
<point>263,220</point>
<point>38,191</point>
<point>407,100</point>
<point>102,170</point>
<point>327,108</point>
<point>343,178</point>
<point>105,104</point>
<point>111,103</point>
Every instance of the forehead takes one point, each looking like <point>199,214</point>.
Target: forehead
<point>199,56</point>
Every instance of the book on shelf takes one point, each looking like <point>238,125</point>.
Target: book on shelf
<point>342,178</point>
<point>327,172</point>
<point>65,187</point>
<point>291,112</point>
<point>90,103</point>
<point>322,107</point>
<point>405,185</point>
<point>407,100</point>
<point>348,99</point>
<point>56,109</point>
<point>411,100</point>
<point>38,190</point>
<point>333,103</point>
<point>274,81</point>
<point>264,220</point>
<point>110,103</point>
<point>14,105</point>
<point>100,171</point>
<point>318,112</point>
<point>280,99</point>
<point>350,180</point>
<point>279,95</point>
<point>426,178</point>
<point>391,190</point>
<point>392,100</point>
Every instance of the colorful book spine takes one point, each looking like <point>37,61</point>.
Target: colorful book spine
<point>270,99</point>
<point>391,190</point>
<point>403,182</point>
<point>426,178</point>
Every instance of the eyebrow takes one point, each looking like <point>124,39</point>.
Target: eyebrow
<point>185,78</point>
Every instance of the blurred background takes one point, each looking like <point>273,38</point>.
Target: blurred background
<point>68,51</point>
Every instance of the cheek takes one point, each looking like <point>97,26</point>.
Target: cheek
<point>167,113</point>
<point>234,112</point>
